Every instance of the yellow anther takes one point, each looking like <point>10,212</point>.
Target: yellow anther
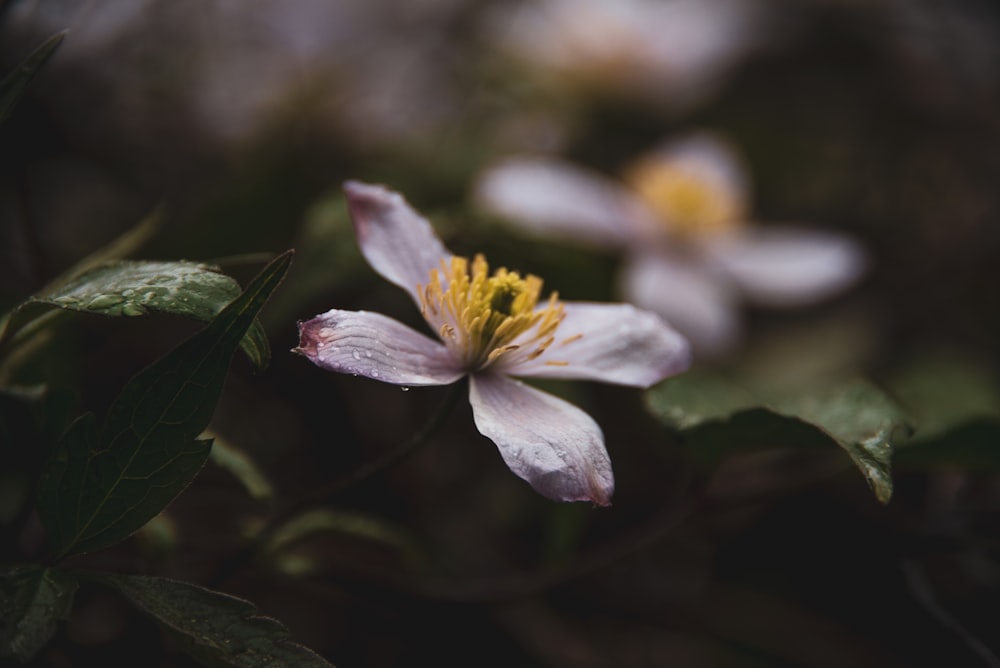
<point>688,203</point>
<point>571,339</point>
<point>480,315</point>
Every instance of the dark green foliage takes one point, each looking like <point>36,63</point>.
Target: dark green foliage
<point>100,487</point>
<point>32,600</point>
<point>719,416</point>
<point>217,629</point>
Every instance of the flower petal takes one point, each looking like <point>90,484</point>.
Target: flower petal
<point>785,266</point>
<point>397,241</point>
<point>550,443</point>
<point>698,302</point>
<point>378,347</point>
<point>613,343</point>
<point>548,196</point>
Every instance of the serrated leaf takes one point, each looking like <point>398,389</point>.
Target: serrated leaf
<point>98,489</point>
<point>13,85</point>
<point>32,600</point>
<point>215,628</point>
<point>726,416</point>
<point>135,288</point>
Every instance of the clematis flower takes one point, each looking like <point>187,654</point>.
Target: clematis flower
<point>680,217</point>
<point>677,52</point>
<point>492,327</point>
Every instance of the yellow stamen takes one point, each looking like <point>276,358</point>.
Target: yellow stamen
<point>480,315</point>
<point>689,204</point>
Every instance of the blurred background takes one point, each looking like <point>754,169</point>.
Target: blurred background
<point>875,118</point>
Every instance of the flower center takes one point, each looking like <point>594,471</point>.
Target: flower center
<point>486,318</point>
<point>689,204</point>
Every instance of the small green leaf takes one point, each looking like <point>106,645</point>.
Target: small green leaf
<point>32,600</point>
<point>215,628</point>
<point>13,85</point>
<point>135,288</point>
<point>721,416</point>
<point>98,489</point>
<point>290,551</point>
<point>229,457</point>
<point>332,521</point>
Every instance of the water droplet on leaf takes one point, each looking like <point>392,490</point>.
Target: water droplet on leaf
<point>101,302</point>
<point>133,309</point>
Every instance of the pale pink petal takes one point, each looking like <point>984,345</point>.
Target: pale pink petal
<point>613,343</point>
<point>546,196</point>
<point>699,303</point>
<point>397,241</point>
<point>378,347</point>
<point>789,266</point>
<point>550,443</point>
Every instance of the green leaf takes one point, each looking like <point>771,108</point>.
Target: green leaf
<point>941,392</point>
<point>135,288</point>
<point>14,84</point>
<point>98,489</point>
<point>720,416</point>
<point>31,317</point>
<point>32,600</point>
<point>215,628</point>
<point>280,548</point>
<point>357,525</point>
<point>693,399</point>
<point>229,457</point>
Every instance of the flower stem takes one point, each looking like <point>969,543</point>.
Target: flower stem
<point>320,494</point>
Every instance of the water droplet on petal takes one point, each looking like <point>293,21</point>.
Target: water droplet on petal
<point>374,373</point>
<point>356,355</point>
<point>368,353</point>
<point>133,309</point>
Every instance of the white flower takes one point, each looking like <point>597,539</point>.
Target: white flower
<point>674,51</point>
<point>680,217</point>
<point>491,327</point>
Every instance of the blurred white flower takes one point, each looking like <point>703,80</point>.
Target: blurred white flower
<point>676,51</point>
<point>681,217</point>
<point>492,327</point>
